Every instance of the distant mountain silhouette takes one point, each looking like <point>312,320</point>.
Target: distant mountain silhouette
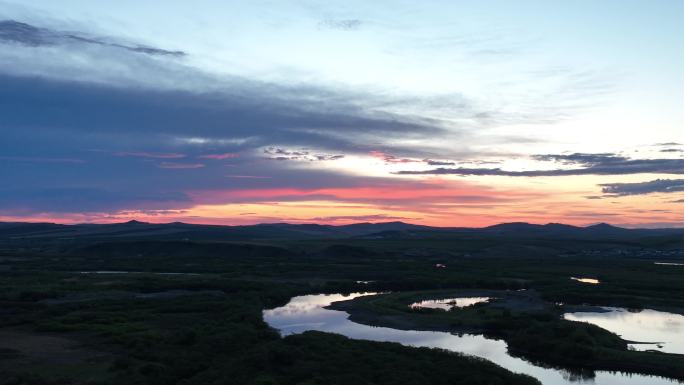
<point>134,222</point>
<point>136,230</point>
<point>606,229</point>
<point>523,228</point>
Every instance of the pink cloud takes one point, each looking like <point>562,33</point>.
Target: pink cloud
<point>359,218</point>
<point>363,193</point>
<point>406,194</point>
<point>227,155</point>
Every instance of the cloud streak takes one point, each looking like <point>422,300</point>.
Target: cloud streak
<point>180,166</point>
<point>591,164</point>
<point>360,218</point>
<point>223,156</point>
<point>151,155</point>
<point>29,201</point>
<point>40,159</point>
<point>276,153</point>
<point>26,34</point>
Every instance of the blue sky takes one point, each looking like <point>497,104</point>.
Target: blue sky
<point>181,110</point>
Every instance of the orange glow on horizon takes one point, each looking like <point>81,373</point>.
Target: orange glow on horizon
<point>430,201</point>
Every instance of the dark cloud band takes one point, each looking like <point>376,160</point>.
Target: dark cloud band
<point>590,164</point>
<point>640,188</point>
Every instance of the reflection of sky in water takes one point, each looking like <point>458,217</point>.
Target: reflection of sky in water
<point>449,303</point>
<point>643,326</point>
<point>592,281</point>
<point>307,313</point>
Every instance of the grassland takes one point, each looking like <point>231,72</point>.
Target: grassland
<point>205,326</point>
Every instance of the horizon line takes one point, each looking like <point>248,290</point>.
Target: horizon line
<point>340,225</point>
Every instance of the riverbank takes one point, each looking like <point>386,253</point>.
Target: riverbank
<point>532,328</point>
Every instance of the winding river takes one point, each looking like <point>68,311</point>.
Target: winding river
<point>308,313</point>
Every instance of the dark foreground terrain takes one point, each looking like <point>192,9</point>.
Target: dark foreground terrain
<point>182,304</point>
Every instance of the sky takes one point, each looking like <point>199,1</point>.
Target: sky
<point>444,113</point>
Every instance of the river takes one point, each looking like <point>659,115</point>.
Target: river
<point>308,312</point>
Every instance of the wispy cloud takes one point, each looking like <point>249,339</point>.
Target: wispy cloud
<point>40,159</point>
<point>431,162</point>
<point>387,158</point>
<point>180,166</point>
<point>341,24</point>
<point>225,155</point>
<point>26,34</point>
<point>34,200</point>
<point>360,218</point>
<point>284,154</point>
<point>151,155</point>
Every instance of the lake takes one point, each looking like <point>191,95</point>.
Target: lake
<point>646,325</point>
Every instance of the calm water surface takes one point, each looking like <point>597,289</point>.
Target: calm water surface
<point>449,303</point>
<point>666,329</point>
<point>308,313</point>
<point>591,281</point>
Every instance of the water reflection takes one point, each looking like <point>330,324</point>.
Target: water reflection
<point>308,313</point>
<point>663,329</point>
<point>592,281</point>
<point>449,303</point>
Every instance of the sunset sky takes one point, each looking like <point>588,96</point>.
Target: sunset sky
<point>446,113</point>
